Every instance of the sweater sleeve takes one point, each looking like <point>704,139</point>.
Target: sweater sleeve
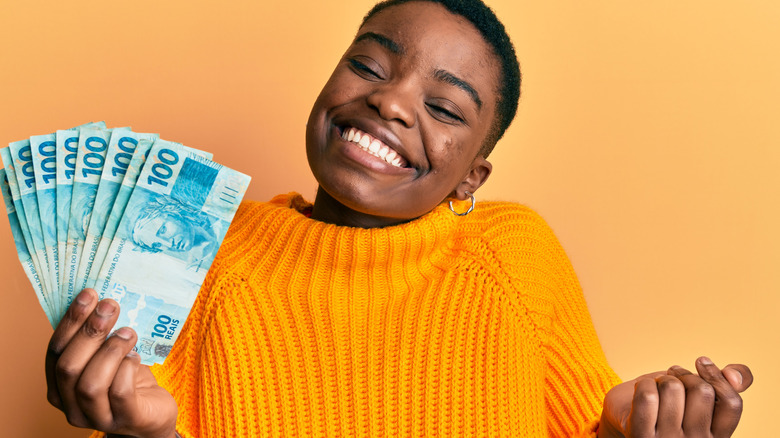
<point>576,374</point>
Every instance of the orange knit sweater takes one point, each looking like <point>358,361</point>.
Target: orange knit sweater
<point>443,326</point>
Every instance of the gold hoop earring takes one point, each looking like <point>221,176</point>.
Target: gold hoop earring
<point>473,201</point>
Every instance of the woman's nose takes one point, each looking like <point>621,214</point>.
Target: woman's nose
<point>394,101</point>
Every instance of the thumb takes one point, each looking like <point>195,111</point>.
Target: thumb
<point>739,376</point>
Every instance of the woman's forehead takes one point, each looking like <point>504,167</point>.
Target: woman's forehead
<point>436,37</point>
<point>423,19</point>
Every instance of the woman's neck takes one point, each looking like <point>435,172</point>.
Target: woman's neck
<point>329,210</point>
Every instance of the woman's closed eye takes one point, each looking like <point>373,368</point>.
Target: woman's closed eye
<point>364,70</point>
<point>444,114</point>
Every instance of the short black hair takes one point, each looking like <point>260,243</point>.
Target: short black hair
<point>494,33</point>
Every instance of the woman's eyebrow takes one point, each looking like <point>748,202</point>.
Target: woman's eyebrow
<point>451,79</point>
<point>383,40</point>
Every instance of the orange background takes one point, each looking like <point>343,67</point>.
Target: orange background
<point>647,136</point>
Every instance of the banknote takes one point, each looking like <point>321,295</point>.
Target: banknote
<point>8,167</point>
<point>118,209</point>
<point>120,152</point>
<point>173,225</point>
<point>67,152</point>
<point>21,154</point>
<point>21,245</point>
<point>91,157</point>
<point>125,190</point>
<point>43,148</point>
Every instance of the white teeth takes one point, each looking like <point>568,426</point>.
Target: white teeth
<point>373,147</point>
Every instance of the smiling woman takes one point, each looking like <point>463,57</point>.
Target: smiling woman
<point>414,90</point>
<point>431,322</point>
<point>377,311</point>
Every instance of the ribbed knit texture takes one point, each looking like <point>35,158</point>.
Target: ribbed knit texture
<point>443,326</point>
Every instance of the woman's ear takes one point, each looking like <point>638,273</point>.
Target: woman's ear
<point>477,175</point>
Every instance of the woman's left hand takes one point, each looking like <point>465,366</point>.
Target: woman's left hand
<point>677,403</point>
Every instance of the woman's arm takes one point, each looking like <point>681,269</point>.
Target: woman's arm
<point>576,373</point>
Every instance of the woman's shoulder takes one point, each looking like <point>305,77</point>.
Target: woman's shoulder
<point>515,235</point>
<point>503,219</point>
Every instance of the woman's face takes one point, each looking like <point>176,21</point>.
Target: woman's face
<point>417,87</point>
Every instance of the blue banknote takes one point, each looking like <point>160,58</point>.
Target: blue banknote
<point>120,202</point>
<point>13,189</point>
<point>8,167</point>
<point>21,154</point>
<point>43,148</point>
<point>67,152</point>
<point>93,146</point>
<point>120,152</point>
<point>118,209</point>
<point>21,246</point>
<point>172,227</point>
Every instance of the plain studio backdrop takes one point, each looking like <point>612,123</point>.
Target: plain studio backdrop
<point>647,136</point>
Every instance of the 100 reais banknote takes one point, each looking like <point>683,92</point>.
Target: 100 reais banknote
<point>138,218</point>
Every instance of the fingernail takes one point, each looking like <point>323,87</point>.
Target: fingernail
<point>105,308</point>
<point>704,360</point>
<point>124,333</point>
<point>131,354</point>
<point>84,298</point>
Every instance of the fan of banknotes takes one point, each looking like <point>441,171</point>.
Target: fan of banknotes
<point>135,217</point>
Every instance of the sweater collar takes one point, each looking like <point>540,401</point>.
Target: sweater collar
<point>423,241</point>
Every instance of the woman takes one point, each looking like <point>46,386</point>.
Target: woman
<point>379,310</point>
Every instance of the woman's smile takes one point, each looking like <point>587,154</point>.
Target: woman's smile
<point>373,146</point>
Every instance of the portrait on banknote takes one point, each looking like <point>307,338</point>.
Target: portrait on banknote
<point>166,224</point>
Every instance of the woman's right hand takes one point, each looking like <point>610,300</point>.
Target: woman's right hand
<point>99,382</point>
